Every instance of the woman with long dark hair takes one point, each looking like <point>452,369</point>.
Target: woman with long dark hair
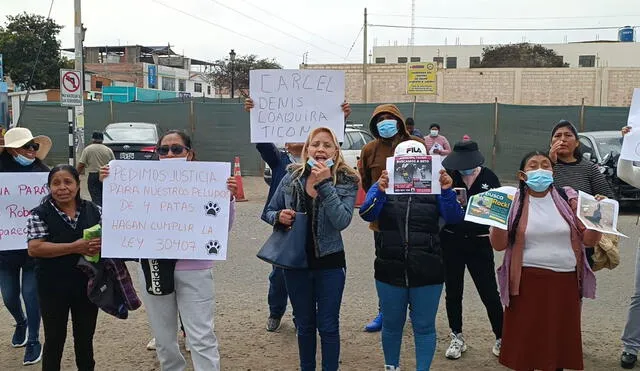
<point>544,274</point>
<point>55,231</point>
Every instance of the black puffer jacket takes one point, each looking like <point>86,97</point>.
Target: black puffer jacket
<point>408,252</point>
<point>17,258</point>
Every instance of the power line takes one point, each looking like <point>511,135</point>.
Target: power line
<point>274,28</point>
<point>33,71</point>
<point>225,28</point>
<point>497,29</point>
<point>354,42</point>
<point>293,24</point>
<point>506,18</point>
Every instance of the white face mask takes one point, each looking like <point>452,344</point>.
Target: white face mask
<point>434,133</point>
<point>174,159</point>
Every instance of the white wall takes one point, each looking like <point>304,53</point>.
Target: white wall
<point>177,74</point>
<point>608,54</point>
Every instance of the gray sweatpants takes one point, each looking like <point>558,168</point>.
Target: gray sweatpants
<point>631,334</point>
<point>194,299</point>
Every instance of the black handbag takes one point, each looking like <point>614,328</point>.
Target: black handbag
<point>286,248</point>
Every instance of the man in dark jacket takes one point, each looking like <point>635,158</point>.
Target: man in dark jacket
<point>278,162</point>
<point>22,153</point>
<point>388,127</point>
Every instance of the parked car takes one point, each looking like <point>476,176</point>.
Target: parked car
<point>354,139</point>
<point>132,140</point>
<point>603,148</point>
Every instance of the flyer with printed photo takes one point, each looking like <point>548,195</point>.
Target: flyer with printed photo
<point>492,207</point>
<point>414,174</point>
<point>601,216</point>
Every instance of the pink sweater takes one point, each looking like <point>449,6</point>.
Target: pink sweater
<point>442,141</point>
<point>194,265</point>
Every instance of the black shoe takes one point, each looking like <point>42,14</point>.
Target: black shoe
<point>628,360</point>
<point>273,324</point>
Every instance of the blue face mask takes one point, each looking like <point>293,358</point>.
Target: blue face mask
<point>387,128</point>
<point>23,161</point>
<point>467,172</point>
<point>539,180</point>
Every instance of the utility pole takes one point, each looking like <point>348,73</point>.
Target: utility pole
<point>364,59</point>
<point>78,36</point>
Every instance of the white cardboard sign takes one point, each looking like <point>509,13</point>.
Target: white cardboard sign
<point>166,210</point>
<point>19,194</point>
<point>289,104</point>
<point>631,144</point>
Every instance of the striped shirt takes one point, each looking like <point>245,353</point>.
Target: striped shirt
<point>582,176</point>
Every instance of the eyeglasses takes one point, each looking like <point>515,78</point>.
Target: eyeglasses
<point>176,149</point>
<point>31,146</point>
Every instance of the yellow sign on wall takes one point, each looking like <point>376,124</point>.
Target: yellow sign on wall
<point>421,78</point>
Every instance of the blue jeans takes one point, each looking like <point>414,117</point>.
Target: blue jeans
<point>277,293</point>
<point>423,305</point>
<point>10,288</point>
<point>316,296</point>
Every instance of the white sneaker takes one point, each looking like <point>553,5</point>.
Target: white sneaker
<point>496,348</point>
<point>151,345</point>
<point>391,368</point>
<point>457,346</point>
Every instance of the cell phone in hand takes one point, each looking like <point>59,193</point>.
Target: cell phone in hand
<point>461,195</point>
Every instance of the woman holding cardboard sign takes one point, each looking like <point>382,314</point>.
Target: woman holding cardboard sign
<point>181,286</point>
<point>23,153</point>
<point>325,189</point>
<point>55,233</point>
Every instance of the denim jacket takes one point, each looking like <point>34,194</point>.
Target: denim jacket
<point>332,208</point>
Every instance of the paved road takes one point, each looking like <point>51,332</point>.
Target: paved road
<point>241,286</point>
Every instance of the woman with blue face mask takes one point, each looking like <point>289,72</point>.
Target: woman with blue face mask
<point>466,245</point>
<point>545,272</point>
<point>388,127</point>
<point>22,153</point>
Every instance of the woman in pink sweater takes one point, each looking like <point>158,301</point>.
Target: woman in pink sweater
<point>182,287</point>
<point>437,144</point>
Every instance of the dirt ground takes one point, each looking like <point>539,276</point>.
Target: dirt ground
<point>241,313</point>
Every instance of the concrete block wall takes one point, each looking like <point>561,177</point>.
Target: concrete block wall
<point>527,86</point>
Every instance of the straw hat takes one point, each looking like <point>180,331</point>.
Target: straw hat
<point>18,137</point>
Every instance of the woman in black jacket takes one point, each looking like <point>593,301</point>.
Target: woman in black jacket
<point>55,233</point>
<point>408,268</point>
<point>22,153</point>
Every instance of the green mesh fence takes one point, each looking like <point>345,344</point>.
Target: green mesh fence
<point>220,129</point>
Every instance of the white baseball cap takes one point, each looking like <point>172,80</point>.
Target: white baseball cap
<point>410,148</point>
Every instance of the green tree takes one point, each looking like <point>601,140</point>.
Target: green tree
<point>221,74</point>
<point>20,39</point>
<point>520,55</point>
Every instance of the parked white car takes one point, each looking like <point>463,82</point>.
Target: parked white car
<point>354,139</point>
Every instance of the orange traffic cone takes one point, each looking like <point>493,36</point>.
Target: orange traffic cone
<point>360,197</point>
<point>238,175</point>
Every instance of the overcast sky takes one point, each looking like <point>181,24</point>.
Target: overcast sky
<point>326,29</point>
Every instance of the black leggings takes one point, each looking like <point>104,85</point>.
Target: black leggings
<point>475,254</point>
<point>57,297</point>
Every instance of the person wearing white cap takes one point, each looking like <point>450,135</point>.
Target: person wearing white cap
<point>22,152</point>
<point>408,268</point>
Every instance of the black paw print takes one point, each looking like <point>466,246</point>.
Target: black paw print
<point>212,208</point>
<point>213,247</point>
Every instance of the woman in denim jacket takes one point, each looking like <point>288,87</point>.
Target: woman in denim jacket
<point>325,188</point>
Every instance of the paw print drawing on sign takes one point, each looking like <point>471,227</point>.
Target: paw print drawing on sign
<point>213,247</point>
<point>212,208</point>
